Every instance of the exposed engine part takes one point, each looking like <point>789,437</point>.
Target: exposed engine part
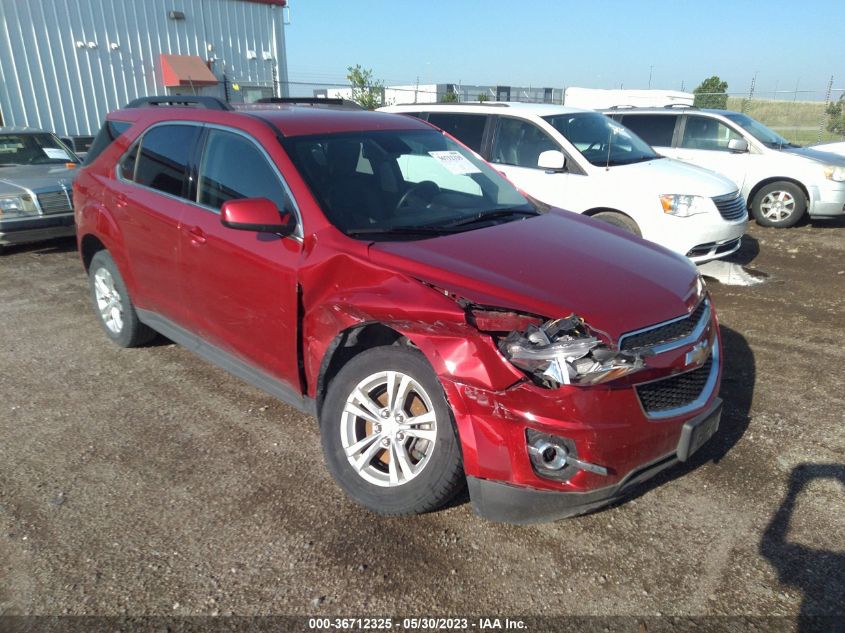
<point>567,351</point>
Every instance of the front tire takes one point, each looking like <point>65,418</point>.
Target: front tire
<point>779,204</point>
<point>388,436</point>
<point>619,220</point>
<point>112,303</point>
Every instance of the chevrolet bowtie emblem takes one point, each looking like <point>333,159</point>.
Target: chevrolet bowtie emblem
<point>698,354</point>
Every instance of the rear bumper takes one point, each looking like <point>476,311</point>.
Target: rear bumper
<point>506,503</point>
<point>36,229</point>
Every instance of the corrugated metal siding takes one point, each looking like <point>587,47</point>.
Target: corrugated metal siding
<point>46,81</point>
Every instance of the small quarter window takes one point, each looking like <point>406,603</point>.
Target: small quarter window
<point>467,128</point>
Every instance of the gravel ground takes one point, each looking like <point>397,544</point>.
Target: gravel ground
<point>148,482</point>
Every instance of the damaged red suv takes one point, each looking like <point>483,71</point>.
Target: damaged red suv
<point>445,329</point>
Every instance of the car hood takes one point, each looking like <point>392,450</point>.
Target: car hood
<point>553,265</point>
<point>827,158</point>
<point>670,176</point>
<point>35,177</point>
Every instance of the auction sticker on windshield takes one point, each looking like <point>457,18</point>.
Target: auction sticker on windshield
<point>56,153</point>
<point>455,162</point>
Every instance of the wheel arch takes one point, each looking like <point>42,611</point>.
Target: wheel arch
<point>771,180</point>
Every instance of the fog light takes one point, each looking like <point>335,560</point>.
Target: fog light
<point>556,457</point>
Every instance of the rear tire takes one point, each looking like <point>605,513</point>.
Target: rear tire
<point>779,204</point>
<point>387,433</point>
<point>112,304</point>
<point>619,220</point>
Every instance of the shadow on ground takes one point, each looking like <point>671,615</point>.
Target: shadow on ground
<point>818,573</point>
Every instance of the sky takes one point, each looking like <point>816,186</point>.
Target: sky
<point>586,43</point>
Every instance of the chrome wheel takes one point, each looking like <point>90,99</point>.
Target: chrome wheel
<point>777,205</point>
<point>108,299</point>
<point>388,428</point>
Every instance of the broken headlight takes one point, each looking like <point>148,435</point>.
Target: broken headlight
<point>565,352</point>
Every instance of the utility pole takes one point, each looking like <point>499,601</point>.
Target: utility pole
<point>750,91</point>
<point>650,69</point>
<point>826,104</point>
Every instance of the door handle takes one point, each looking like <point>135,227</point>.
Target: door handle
<point>120,200</point>
<point>197,235</point>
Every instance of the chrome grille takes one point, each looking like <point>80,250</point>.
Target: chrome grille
<point>666,333</point>
<point>54,202</point>
<point>675,392</point>
<point>731,206</point>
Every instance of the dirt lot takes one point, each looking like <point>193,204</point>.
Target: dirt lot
<point>147,481</point>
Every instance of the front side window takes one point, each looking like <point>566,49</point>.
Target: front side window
<point>33,149</point>
<point>655,129</point>
<point>702,132</point>
<point>232,167</point>
<point>768,137</point>
<point>162,161</point>
<point>467,128</point>
<point>417,183</point>
<point>520,143</point>
<point>601,140</point>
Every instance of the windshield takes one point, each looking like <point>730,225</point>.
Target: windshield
<point>408,183</point>
<point>33,149</point>
<point>767,137</point>
<point>601,140</point>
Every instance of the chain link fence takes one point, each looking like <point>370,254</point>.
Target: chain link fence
<point>798,115</point>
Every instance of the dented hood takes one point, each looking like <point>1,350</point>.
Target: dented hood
<point>553,265</point>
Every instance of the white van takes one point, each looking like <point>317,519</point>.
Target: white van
<point>583,161</point>
<point>779,181</point>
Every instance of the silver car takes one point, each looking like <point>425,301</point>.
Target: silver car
<point>36,172</point>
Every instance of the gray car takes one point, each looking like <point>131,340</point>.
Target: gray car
<point>36,172</point>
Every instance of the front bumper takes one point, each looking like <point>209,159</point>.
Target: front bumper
<point>36,229</point>
<point>701,237</point>
<point>506,503</point>
<point>827,201</point>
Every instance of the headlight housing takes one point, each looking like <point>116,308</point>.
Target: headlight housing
<point>558,351</point>
<point>17,206</point>
<point>683,206</point>
<point>835,173</point>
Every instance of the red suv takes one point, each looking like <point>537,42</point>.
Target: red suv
<point>368,269</point>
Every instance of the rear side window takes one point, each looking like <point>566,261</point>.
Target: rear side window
<point>655,129</point>
<point>467,128</point>
<point>162,162</point>
<point>107,135</point>
<point>232,167</point>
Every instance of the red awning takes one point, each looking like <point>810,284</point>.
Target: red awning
<point>186,70</point>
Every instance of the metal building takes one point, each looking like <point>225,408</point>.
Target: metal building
<point>64,64</point>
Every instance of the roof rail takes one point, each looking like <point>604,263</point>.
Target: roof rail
<point>624,106</point>
<point>312,101</point>
<point>681,105</point>
<point>209,103</point>
<point>489,104</point>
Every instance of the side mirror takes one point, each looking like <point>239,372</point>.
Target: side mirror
<point>738,145</point>
<point>551,160</point>
<point>256,214</point>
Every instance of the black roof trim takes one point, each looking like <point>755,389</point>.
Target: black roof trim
<point>209,103</point>
<point>312,101</point>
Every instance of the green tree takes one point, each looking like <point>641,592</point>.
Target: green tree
<point>711,93</point>
<point>449,97</point>
<point>482,96</point>
<point>366,91</point>
<point>836,116</point>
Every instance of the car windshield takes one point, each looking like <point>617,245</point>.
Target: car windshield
<point>601,140</point>
<point>33,149</point>
<point>767,137</point>
<point>404,184</point>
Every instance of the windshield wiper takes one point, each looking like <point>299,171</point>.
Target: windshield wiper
<point>490,215</point>
<point>399,230</point>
